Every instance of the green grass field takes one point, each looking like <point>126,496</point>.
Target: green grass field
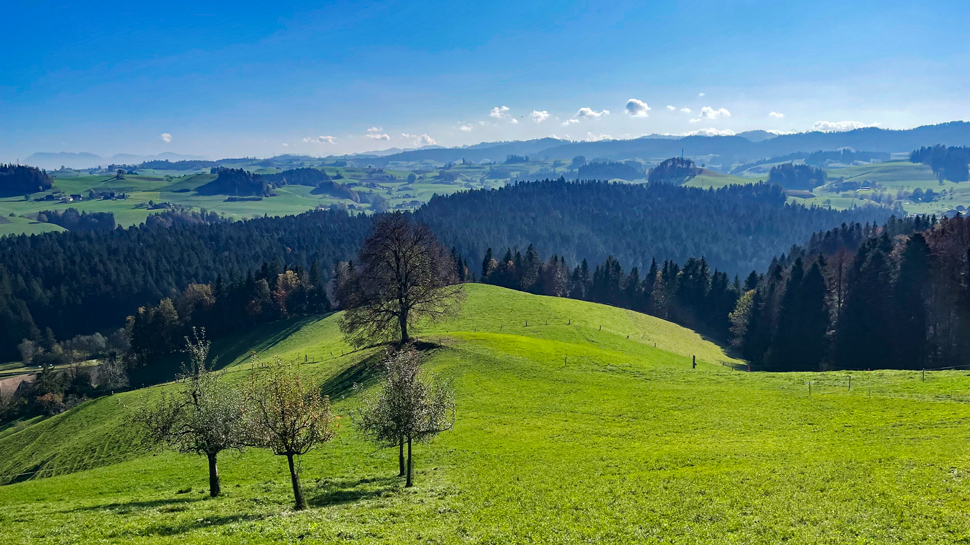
<point>622,443</point>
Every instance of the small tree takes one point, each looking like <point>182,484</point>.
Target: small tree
<point>409,408</point>
<point>287,415</point>
<point>204,417</point>
<point>402,274</point>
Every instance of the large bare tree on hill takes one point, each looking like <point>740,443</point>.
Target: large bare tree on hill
<point>402,275</point>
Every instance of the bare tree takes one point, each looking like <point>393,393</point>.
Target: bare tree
<point>409,408</point>
<point>402,274</point>
<point>205,416</point>
<point>288,415</point>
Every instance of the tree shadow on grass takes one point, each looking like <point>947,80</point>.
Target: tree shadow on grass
<point>365,372</point>
<point>177,528</point>
<point>260,339</point>
<point>128,506</point>
<point>352,490</point>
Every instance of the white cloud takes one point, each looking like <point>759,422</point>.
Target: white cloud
<point>514,121</point>
<point>465,128</point>
<point>590,137</point>
<point>637,108</point>
<point>701,94</point>
<point>710,132</point>
<point>166,137</point>
<point>591,113</point>
<point>483,123</point>
<point>569,122</point>
<point>711,113</point>
<point>539,116</point>
<point>321,139</point>
<point>285,145</point>
<point>685,110</point>
<point>840,126</point>
<point>776,115</point>
<point>419,139</point>
<point>671,108</point>
<point>499,112</point>
<point>374,133</point>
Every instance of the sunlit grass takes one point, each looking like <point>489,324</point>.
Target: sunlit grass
<point>622,443</point>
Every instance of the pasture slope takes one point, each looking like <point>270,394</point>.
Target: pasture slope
<point>621,442</point>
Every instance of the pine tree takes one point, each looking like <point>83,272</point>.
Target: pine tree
<point>910,294</point>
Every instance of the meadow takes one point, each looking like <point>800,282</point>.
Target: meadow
<point>576,423</point>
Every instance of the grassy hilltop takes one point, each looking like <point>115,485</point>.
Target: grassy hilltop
<point>622,442</point>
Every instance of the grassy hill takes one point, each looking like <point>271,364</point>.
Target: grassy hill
<point>622,442</point>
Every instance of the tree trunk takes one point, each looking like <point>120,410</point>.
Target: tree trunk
<point>400,457</point>
<point>297,489</point>
<point>215,488</point>
<point>410,481</point>
<point>402,319</point>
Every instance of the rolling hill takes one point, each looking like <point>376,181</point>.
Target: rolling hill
<point>575,430</point>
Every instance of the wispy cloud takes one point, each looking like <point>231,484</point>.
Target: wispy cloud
<point>671,108</point>
<point>597,137</point>
<point>591,113</point>
<point>166,137</point>
<point>569,122</point>
<point>637,108</point>
<point>539,116</point>
<point>320,139</point>
<point>465,127</point>
<point>701,94</point>
<point>840,126</point>
<point>685,110</point>
<point>776,115</point>
<point>419,139</point>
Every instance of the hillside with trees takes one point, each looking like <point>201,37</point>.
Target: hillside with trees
<point>81,282</point>
<point>610,170</point>
<point>236,182</point>
<point>736,229</point>
<point>46,281</point>
<point>22,180</point>
<point>792,176</point>
<point>676,170</point>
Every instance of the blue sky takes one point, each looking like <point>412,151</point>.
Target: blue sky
<point>264,78</point>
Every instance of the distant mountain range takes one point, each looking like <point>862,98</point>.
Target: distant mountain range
<point>748,146</point>
<point>53,161</point>
<point>743,147</point>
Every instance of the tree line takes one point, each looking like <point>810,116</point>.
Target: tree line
<point>894,297</point>
<point>691,295</point>
<point>72,220</point>
<point>948,163</point>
